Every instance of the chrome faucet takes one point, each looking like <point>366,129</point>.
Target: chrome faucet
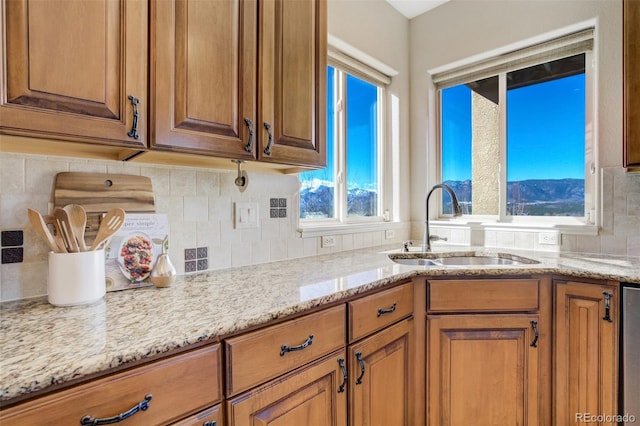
<point>457,211</point>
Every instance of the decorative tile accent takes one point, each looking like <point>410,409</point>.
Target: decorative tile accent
<point>282,202</point>
<point>203,264</point>
<point>282,212</point>
<point>273,213</point>
<point>202,252</point>
<point>190,254</point>
<point>273,202</point>
<point>190,266</point>
<point>278,207</point>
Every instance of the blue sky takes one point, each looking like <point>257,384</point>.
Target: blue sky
<point>545,138</point>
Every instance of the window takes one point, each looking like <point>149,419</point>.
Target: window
<point>515,134</point>
<point>349,189</point>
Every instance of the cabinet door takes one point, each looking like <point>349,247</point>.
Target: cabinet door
<point>203,76</point>
<point>631,12</point>
<point>314,395</point>
<point>483,370</point>
<point>210,417</point>
<point>70,67</point>
<point>292,82</point>
<point>586,355</point>
<point>381,372</point>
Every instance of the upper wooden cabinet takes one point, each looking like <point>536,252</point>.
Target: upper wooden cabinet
<point>69,69</point>
<point>228,77</point>
<point>631,13</point>
<point>203,76</point>
<point>292,82</point>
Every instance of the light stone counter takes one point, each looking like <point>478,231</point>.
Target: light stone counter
<point>42,345</point>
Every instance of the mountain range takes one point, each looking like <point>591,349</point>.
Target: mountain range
<point>536,197</point>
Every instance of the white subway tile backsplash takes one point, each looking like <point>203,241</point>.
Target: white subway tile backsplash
<point>199,203</point>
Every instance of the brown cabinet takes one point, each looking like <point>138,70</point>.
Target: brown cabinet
<point>213,416</point>
<point>313,395</point>
<point>292,82</point>
<point>203,76</point>
<point>631,31</point>
<point>74,70</point>
<point>488,348</point>
<point>157,393</point>
<point>586,354</point>
<point>382,362</point>
<point>381,377</point>
<point>220,88</point>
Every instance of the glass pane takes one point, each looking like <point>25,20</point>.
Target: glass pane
<point>470,146</point>
<point>362,148</point>
<point>546,139</point>
<point>317,195</point>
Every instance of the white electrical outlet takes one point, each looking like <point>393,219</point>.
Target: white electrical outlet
<point>550,238</point>
<point>389,234</point>
<point>328,241</point>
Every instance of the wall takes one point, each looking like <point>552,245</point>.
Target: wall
<point>461,29</point>
<point>199,201</point>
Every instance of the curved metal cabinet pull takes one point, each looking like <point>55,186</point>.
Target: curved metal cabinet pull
<point>267,150</point>
<point>534,343</point>
<point>607,306</point>
<point>284,348</point>
<point>211,423</point>
<point>248,146</point>
<point>141,406</point>
<point>344,375</point>
<point>386,311</point>
<point>361,362</point>
<point>134,127</point>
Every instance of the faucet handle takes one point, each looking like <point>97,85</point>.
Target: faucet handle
<point>406,244</point>
<point>437,238</point>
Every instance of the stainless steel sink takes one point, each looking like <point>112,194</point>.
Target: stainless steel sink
<point>459,259</point>
<point>477,260</point>
<point>415,261</point>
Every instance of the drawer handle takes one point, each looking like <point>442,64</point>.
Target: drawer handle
<point>361,362</point>
<point>249,124</point>
<point>210,423</point>
<point>534,325</point>
<point>134,127</point>
<point>141,406</point>
<point>607,306</point>
<point>286,348</point>
<point>386,311</point>
<point>344,375</point>
<point>267,150</point>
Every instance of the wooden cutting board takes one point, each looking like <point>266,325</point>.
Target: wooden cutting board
<point>99,192</point>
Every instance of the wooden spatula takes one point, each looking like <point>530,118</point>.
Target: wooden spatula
<point>41,228</point>
<point>111,223</point>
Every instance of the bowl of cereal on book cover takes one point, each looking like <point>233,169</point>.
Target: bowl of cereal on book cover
<point>131,254</point>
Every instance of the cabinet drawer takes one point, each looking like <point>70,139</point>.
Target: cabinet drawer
<point>261,355</point>
<point>511,295</point>
<point>178,385</point>
<point>377,311</point>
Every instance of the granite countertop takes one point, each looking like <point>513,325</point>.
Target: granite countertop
<point>42,345</point>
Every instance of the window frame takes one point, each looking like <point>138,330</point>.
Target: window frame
<point>345,65</point>
<point>581,41</point>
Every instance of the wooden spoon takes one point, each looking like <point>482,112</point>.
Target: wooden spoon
<point>78,220</point>
<point>64,225</point>
<point>41,228</point>
<point>111,223</point>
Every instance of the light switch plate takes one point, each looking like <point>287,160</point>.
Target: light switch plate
<point>246,215</point>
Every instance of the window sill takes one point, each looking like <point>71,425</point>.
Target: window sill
<point>570,229</point>
<point>318,230</point>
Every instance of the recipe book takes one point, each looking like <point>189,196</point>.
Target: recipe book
<point>132,251</point>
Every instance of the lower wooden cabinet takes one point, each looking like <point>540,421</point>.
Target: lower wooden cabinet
<point>313,395</point>
<point>484,370</point>
<point>586,351</point>
<point>381,375</point>
<point>158,393</point>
